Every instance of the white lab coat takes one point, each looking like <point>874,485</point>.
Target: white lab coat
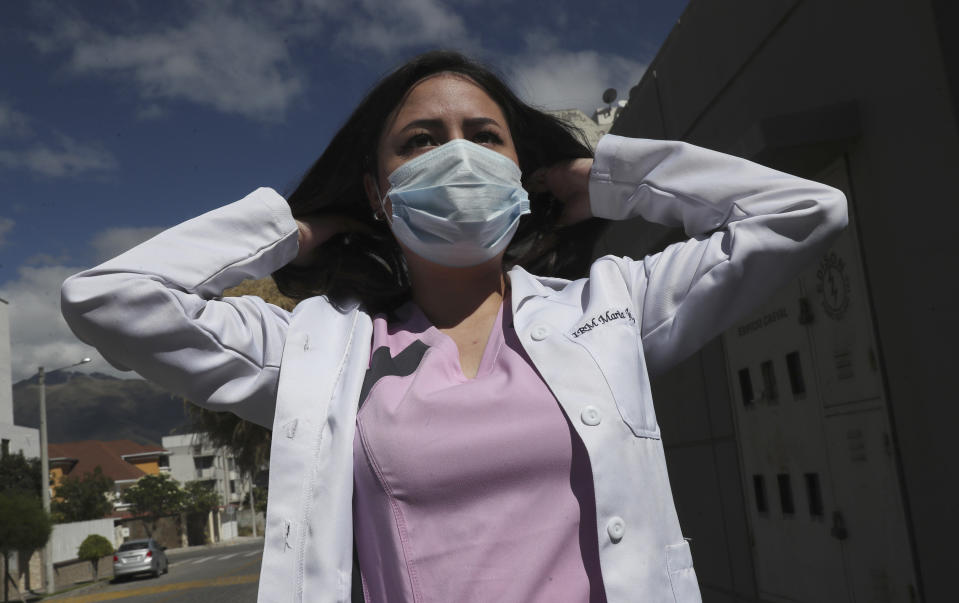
<point>155,309</point>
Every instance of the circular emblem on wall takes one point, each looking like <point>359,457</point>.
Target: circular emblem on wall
<point>833,285</point>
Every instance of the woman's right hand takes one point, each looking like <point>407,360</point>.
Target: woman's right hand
<point>568,181</point>
<point>317,229</point>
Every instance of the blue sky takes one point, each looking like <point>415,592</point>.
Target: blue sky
<point>118,119</point>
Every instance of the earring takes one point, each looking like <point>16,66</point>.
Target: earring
<point>379,215</point>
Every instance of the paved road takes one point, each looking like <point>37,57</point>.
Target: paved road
<point>207,575</point>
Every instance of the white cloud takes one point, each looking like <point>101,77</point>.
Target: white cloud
<point>66,157</point>
<point>151,111</point>
<point>114,241</point>
<point>218,59</point>
<point>234,56</point>
<point>39,336</point>
<point>13,123</point>
<point>6,225</point>
<point>551,77</point>
<point>388,26</point>
<point>48,259</point>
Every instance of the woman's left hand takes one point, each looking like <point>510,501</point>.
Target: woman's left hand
<point>568,181</point>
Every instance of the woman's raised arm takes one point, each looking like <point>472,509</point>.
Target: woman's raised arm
<point>154,309</point>
<point>751,229</point>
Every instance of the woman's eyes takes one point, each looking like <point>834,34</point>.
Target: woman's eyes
<point>487,137</point>
<point>421,140</point>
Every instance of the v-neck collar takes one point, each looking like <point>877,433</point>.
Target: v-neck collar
<point>417,321</point>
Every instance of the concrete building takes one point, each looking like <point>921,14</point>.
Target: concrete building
<point>13,438</point>
<point>588,126</point>
<point>595,127</point>
<point>192,459</point>
<point>606,116</point>
<point>810,446</point>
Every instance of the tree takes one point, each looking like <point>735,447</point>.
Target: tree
<point>20,474</point>
<point>83,498</point>
<point>264,288</point>
<point>93,548</point>
<point>24,526</point>
<point>200,497</point>
<point>153,497</point>
<point>260,494</point>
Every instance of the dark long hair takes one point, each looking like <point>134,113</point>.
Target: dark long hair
<point>369,267</point>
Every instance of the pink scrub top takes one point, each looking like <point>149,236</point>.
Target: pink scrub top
<point>468,489</point>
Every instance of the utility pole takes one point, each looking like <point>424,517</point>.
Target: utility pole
<point>252,505</point>
<point>226,488</point>
<point>45,472</point>
<point>45,481</point>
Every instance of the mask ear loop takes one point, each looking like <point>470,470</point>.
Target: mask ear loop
<point>381,215</point>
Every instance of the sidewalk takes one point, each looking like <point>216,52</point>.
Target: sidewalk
<point>209,547</point>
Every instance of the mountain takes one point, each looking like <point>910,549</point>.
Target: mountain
<point>100,407</point>
<point>96,406</point>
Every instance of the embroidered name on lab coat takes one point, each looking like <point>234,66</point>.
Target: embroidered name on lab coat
<point>603,319</point>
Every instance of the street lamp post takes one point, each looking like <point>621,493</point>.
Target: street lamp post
<point>45,468</point>
<point>252,505</point>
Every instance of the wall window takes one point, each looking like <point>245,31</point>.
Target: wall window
<point>796,382</point>
<point>770,391</point>
<point>746,387</point>
<point>814,494</point>
<point>785,494</point>
<point>203,462</point>
<point>759,488</point>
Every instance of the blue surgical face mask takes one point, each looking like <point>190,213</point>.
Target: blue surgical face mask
<point>457,205</point>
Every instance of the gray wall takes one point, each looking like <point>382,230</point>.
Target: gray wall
<point>795,84</point>
<point>67,537</point>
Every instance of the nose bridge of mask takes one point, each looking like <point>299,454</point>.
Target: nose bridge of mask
<point>458,159</point>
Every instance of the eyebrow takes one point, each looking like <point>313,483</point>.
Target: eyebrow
<point>438,123</point>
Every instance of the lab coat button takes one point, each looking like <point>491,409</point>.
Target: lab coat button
<point>590,416</point>
<point>616,528</point>
<point>539,332</point>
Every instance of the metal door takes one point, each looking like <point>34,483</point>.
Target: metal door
<point>819,471</point>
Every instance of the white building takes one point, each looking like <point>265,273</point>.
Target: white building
<point>595,127</point>
<point>605,116</point>
<point>590,129</point>
<point>13,438</point>
<point>192,459</point>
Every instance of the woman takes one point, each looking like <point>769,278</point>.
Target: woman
<point>483,435</point>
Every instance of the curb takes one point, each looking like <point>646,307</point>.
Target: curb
<point>76,589</point>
